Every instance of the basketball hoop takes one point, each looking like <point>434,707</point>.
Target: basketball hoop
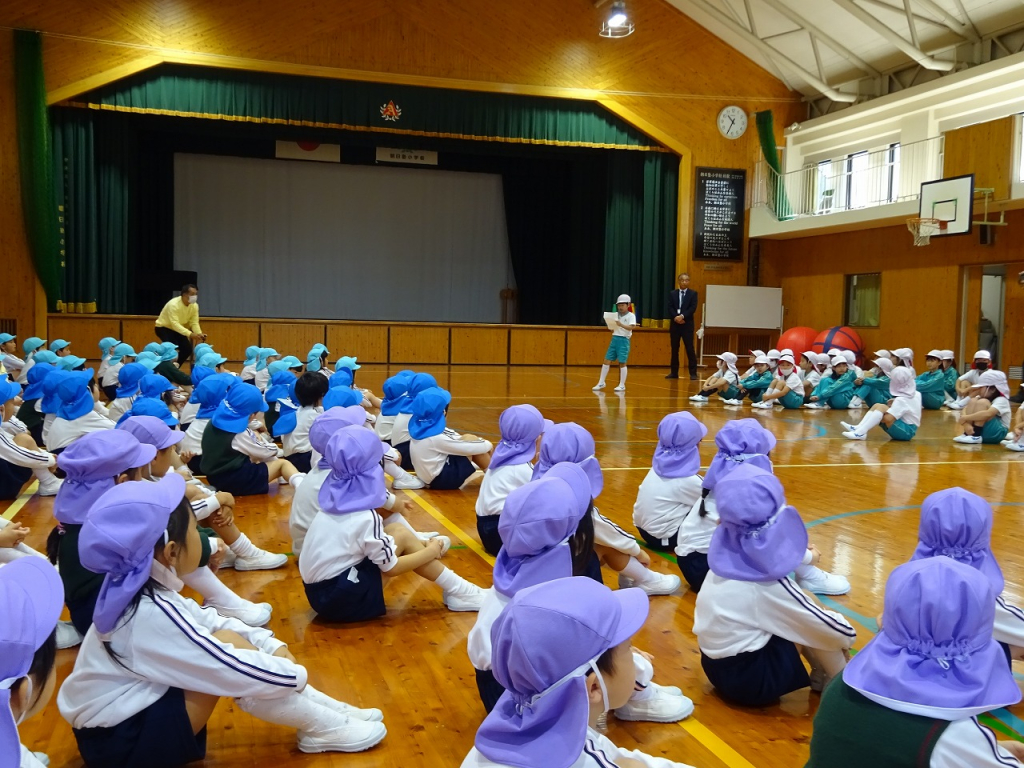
<point>923,229</point>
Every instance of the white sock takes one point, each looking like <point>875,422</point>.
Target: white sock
<point>296,480</point>
<point>214,591</point>
<point>636,571</point>
<point>806,571</point>
<point>622,375</point>
<point>604,373</point>
<point>396,518</point>
<point>448,580</point>
<point>43,475</point>
<point>243,547</point>
<point>871,420</point>
<point>392,470</point>
<point>295,711</point>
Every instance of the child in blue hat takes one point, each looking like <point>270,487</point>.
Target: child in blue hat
<point>20,455</point>
<point>10,363</point>
<point>31,346</point>
<point>76,414</point>
<point>168,367</point>
<point>443,458</point>
<point>120,355</point>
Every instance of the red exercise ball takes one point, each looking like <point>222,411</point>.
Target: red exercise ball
<point>799,339</point>
<point>839,337</point>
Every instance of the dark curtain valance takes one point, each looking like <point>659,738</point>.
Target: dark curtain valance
<point>205,92</point>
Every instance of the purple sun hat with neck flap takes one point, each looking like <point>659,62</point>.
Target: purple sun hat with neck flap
<point>743,441</point>
<point>356,481</point>
<point>677,454</point>
<point>578,481</point>
<point>520,426</point>
<point>92,464</point>
<point>760,537</point>
<point>935,655</point>
<point>569,441</point>
<point>546,642</point>
<point>958,524</point>
<point>535,526</point>
<point>328,423</point>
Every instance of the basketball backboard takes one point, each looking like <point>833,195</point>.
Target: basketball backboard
<point>950,201</point>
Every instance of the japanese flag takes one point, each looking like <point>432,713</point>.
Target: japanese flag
<point>308,150</point>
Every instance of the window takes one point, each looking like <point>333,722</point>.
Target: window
<point>894,173</point>
<point>863,300</point>
<point>857,181</point>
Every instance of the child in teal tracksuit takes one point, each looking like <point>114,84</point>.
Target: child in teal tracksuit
<point>932,383</point>
<point>755,385</point>
<point>950,372</point>
<point>835,391</point>
<point>874,389</point>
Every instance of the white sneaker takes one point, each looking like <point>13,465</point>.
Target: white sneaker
<point>955,406</point>
<point>67,635</point>
<point>408,483</point>
<point>765,406</point>
<point>656,584</point>
<point>968,439</point>
<point>466,597</point>
<point>264,561</point>
<point>856,402</point>
<point>733,401</point>
<point>446,543</point>
<point>851,435</point>
<point>1010,438</point>
<point>824,583</point>
<point>355,736</point>
<point>371,715</point>
<point>698,399</point>
<point>229,558</point>
<point>848,426</point>
<point>620,388</point>
<point>657,707</point>
<point>253,614</point>
<point>601,385</point>
<point>42,757</point>
<point>49,485</point>
<point>1018,447</point>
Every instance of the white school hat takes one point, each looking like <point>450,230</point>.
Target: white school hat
<point>623,299</point>
<point>884,364</point>
<point>936,353</point>
<point>884,353</point>
<point>982,354</point>
<point>995,379</point>
<point>786,356</point>
<point>838,360</point>
<point>850,355</point>
<point>784,352</point>
<point>729,359</point>
<point>835,351</point>
<point>762,360</point>
<point>947,354</point>
<point>773,354</point>
<point>757,353</point>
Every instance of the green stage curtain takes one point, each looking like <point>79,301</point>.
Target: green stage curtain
<point>776,188</point>
<point>206,92</point>
<point>42,217</point>
<point>640,230</point>
<point>95,155</point>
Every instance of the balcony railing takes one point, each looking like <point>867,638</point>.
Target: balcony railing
<point>861,180</point>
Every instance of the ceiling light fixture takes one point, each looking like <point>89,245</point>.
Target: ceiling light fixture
<point>618,23</point>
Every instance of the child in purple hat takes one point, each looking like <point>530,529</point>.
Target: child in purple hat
<point>235,458</point>
<point>21,458</point>
<point>511,467</point>
<point>347,549</point>
<point>752,620</point>
<point>672,487</point>
<point>443,458</point>
<point>76,414</point>
<point>562,653</point>
<point>958,524</point>
<point>30,603</point>
<point>918,687</point>
<point>612,545</point>
<point>549,535</point>
<point>154,664</point>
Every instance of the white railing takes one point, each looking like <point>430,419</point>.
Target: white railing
<point>860,180</point>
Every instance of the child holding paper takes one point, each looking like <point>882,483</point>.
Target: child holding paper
<point>621,327</point>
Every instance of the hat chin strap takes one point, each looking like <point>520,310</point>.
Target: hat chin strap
<point>580,671</point>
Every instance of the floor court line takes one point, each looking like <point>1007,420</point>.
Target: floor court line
<point>20,502</point>
<point>846,466</point>
<point>706,737</point>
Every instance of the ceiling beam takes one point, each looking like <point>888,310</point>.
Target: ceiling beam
<point>903,12</point>
<point>779,58</point>
<point>878,26</point>
<point>950,21</point>
<point>831,42</point>
<point>911,24</point>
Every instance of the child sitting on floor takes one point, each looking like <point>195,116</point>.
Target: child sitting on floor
<point>900,418</point>
<point>443,458</point>
<point>986,417</point>
<point>724,382</point>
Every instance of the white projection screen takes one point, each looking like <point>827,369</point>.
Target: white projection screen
<point>280,238</point>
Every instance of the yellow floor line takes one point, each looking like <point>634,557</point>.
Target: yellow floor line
<point>21,501</point>
<point>707,738</point>
<point>847,466</point>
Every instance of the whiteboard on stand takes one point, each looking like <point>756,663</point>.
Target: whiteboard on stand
<point>742,306</point>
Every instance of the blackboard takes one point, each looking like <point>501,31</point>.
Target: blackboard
<point>718,214</point>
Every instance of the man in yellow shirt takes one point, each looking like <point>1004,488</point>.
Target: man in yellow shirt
<point>179,322</point>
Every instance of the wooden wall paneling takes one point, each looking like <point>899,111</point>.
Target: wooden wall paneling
<point>986,150</point>
<point>972,314</point>
<point>231,337</point>
<point>536,346</point>
<point>294,338</point>
<point>419,344</point>
<point>1013,318</point>
<point>651,348</point>
<point>920,325</point>
<point>586,347</point>
<point>368,342</point>
<point>814,301</point>
<point>83,332</point>
<point>479,346</point>
<point>138,331</point>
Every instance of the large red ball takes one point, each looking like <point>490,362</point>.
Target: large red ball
<point>799,339</point>
<point>839,337</point>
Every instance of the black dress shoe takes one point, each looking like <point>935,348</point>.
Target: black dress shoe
<point>693,377</point>
<point>672,376</point>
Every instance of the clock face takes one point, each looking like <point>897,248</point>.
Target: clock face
<point>732,122</point>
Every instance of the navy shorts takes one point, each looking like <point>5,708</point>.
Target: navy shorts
<point>455,472</point>
<point>661,545</point>
<point>694,568</point>
<point>301,461</point>
<point>160,736</point>
<point>13,479</point>
<point>490,689</point>
<point>36,430</point>
<point>403,449</point>
<point>593,569</point>
<point>487,527</point>
<point>248,480</point>
<point>758,678</point>
<point>344,600</point>
<point>81,611</point>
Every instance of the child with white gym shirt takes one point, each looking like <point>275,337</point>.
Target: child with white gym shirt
<point>618,349</point>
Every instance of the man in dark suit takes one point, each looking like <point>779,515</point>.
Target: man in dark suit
<point>682,304</point>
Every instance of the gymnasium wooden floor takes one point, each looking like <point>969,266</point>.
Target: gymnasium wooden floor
<point>858,500</point>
